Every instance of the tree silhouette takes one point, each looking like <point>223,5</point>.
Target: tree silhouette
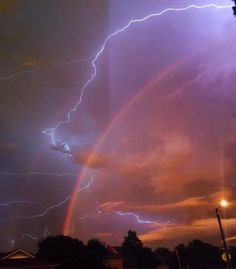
<point>73,254</point>
<point>180,253</point>
<point>64,250</point>
<point>131,241</point>
<point>165,257</point>
<point>96,251</point>
<point>134,253</point>
<point>201,255</point>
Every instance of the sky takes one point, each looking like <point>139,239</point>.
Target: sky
<point>109,123</point>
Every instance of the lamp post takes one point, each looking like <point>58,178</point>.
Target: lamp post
<point>223,203</point>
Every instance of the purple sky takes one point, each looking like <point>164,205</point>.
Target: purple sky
<point>159,120</point>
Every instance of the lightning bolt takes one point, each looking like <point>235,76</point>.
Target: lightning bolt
<point>139,220</point>
<point>30,236</point>
<point>51,131</point>
<point>137,217</point>
<point>25,235</point>
<point>57,205</point>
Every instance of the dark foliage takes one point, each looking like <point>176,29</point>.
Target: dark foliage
<point>201,255</point>
<point>164,256</point>
<point>96,251</point>
<point>134,253</point>
<point>73,253</point>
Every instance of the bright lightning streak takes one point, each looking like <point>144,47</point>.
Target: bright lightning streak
<point>38,174</point>
<point>31,174</point>
<point>50,208</point>
<point>139,220</point>
<point>30,236</point>
<point>51,131</point>
<point>137,217</point>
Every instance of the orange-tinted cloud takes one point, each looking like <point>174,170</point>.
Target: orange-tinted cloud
<point>174,158</point>
<point>175,233</point>
<point>109,206</point>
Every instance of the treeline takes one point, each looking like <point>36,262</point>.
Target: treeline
<point>73,253</point>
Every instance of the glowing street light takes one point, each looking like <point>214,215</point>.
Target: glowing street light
<point>223,203</point>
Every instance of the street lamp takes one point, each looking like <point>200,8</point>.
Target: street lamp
<point>223,203</point>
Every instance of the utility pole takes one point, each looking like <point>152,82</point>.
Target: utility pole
<point>179,263</point>
<point>177,254</point>
<point>223,238</point>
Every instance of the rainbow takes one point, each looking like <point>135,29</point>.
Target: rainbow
<point>157,79</point>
